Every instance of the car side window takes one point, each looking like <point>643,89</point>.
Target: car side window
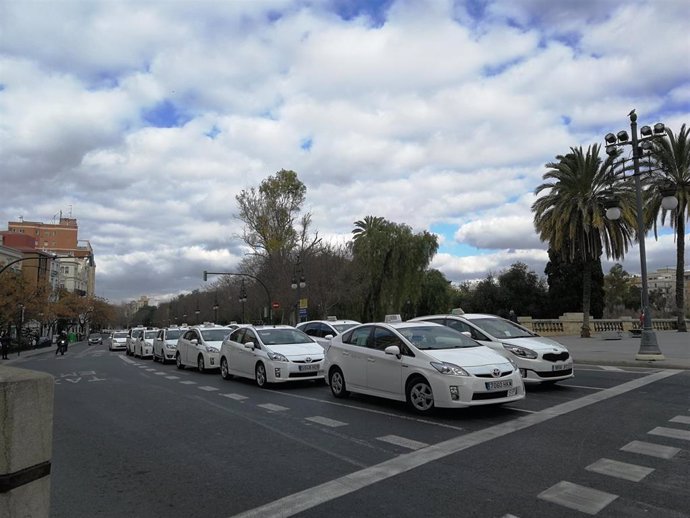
<point>359,336</point>
<point>327,330</point>
<point>250,336</point>
<point>311,329</point>
<point>384,338</point>
<point>462,327</point>
<point>190,335</point>
<point>237,336</point>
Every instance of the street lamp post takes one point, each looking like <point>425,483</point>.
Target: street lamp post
<point>215,309</point>
<point>269,309</point>
<point>298,282</point>
<point>649,347</point>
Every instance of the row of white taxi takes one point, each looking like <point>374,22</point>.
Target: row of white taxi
<point>451,361</point>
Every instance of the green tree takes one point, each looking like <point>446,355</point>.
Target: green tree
<point>672,157</point>
<point>273,218</point>
<point>522,291</point>
<point>391,260</point>
<point>436,294</point>
<point>570,214</point>
<point>617,287</point>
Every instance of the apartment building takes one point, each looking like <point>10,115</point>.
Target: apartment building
<point>76,266</point>
<point>37,266</point>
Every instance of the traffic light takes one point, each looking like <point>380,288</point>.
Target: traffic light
<point>205,275</point>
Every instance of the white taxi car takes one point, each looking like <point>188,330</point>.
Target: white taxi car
<point>323,330</point>
<point>117,341</point>
<point>540,359</point>
<point>199,346</point>
<point>132,336</point>
<point>143,346</point>
<point>165,343</point>
<point>425,364</point>
<point>271,354</point>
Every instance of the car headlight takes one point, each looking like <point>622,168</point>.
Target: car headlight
<point>170,346</point>
<point>449,368</point>
<point>210,349</point>
<point>277,357</point>
<point>522,352</point>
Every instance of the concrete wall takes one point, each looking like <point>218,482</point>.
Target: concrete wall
<point>26,437</point>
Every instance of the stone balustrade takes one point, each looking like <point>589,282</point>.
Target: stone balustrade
<point>570,324</point>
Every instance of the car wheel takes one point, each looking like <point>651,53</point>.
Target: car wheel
<point>260,375</point>
<point>178,361</point>
<point>225,369</point>
<point>419,396</point>
<point>337,382</point>
<point>162,359</point>
<point>200,363</point>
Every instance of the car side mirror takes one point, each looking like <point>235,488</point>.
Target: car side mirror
<point>467,333</point>
<point>328,337</point>
<point>194,341</point>
<point>249,345</point>
<point>393,349</point>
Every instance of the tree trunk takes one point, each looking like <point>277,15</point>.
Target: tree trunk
<point>680,269</point>
<point>586,297</point>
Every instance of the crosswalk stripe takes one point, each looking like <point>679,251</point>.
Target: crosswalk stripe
<point>273,408</point>
<point>651,449</point>
<point>326,421</point>
<point>236,397</point>
<point>208,389</point>
<point>673,433</point>
<point>614,468</point>
<point>172,377</point>
<point>402,441</point>
<point>684,419</point>
<point>188,382</point>
<point>580,498</point>
<point>159,373</point>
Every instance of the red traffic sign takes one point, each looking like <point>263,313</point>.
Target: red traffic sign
<point>275,305</point>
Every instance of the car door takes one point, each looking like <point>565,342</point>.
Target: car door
<point>159,344</point>
<point>247,357</point>
<point>384,371</point>
<point>183,346</point>
<point>353,357</point>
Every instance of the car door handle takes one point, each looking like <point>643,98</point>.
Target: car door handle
<point>372,360</point>
<point>346,354</point>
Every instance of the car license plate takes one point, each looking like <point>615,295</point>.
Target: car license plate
<point>560,367</point>
<point>496,385</point>
<point>310,367</point>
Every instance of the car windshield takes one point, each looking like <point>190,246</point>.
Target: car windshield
<point>137,333</point>
<point>214,335</point>
<point>150,334</point>
<point>500,328</point>
<point>341,328</point>
<point>436,337</point>
<point>283,336</point>
<point>94,335</point>
<point>173,334</point>
<point>119,335</point>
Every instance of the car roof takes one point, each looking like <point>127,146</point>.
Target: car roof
<point>468,316</point>
<point>339,321</point>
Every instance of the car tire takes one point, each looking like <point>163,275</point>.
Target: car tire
<point>178,361</point>
<point>260,375</point>
<point>225,369</point>
<point>336,380</point>
<point>420,397</point>
<point>163,360</point>
<point>200,364</point>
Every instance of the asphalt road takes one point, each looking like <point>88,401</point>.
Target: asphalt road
<point>133,438</point>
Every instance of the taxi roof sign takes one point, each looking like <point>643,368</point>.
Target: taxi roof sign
<point>390,319</point>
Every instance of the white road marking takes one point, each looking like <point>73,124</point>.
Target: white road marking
<point>172,377</point>
<point>273,408</point>
<point>331,490</point>
<point>402,441</point>
<point>610,368</point>
<point>521,409</point>
<point>208,389</point>
<point>159,373</point>
<point>581,386</point>
<point>651,449</point>
<point>372,411</point>
<point>236,397</point>
<point>326,421</point>
<point>684,419</point>
<point>614,468</point>
<point>188,382</point>
<point>150,370</point>
<point>580,498</point>
<point>673,433</point>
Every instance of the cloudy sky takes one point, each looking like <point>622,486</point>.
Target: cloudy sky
<point>145,118</point>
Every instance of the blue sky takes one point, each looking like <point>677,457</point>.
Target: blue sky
<point>147,118</point>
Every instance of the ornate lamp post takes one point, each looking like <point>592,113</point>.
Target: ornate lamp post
<point>298,282</point>
<point>243,297</point>
<point>649,347</point>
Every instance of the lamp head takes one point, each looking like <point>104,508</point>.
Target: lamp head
<point>659,128</point>
<point>610,138</point>
<point>611,149</point>
<point>645,131</point>
<point>622,136</point>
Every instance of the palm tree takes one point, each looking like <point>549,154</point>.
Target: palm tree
<point>672,157</point>
<point>570,216</point>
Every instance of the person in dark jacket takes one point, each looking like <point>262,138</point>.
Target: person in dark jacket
<point>62,342</point>
<point>5,344</point>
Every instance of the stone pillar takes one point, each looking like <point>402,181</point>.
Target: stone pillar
<point>572,323</point>
<point>26,441</point>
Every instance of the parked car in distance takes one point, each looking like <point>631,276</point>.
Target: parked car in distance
<point>199,346</point>
<point>271,354</point>
<point>117,341</point>
<point>165,343</point>
<point>143,346</point>
<point>426,364</point>
<point>95,339</point>
<point>323,330</point>
<point>132,336</point>
<point>540,359</point>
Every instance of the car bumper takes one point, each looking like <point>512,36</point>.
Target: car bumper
<point>118,347</point>
<point>547,372</point>
<point>466,391</point>
<point>280,372</point>
<point>168,354</point>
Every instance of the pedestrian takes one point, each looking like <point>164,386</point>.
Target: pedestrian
<point>5,344</point>
<point>512,316</point>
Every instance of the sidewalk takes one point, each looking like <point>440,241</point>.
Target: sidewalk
<point>28,353</point>
<point>599,351</point>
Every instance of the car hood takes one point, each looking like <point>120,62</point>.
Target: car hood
<point>298,350</point>
<point>536,343</point>
<point>215,344</point>
<point>468,356</point>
